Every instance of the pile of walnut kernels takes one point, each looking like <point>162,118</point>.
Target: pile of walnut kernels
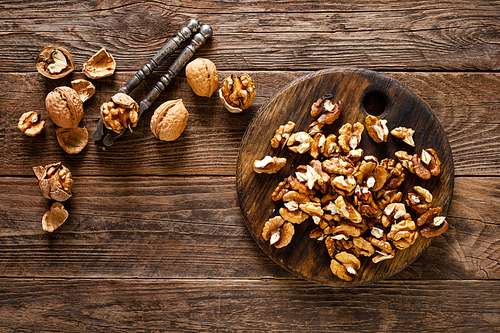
<point>353,199</point>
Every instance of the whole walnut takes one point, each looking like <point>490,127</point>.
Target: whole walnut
<point>169,120</point>
<point>237,92</point>
<point>202,76</point>
<point>55,181</point>
<point>64,107</point>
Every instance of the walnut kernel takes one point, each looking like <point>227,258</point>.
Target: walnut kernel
<point>30,123</point>
<point>54,62</point>
<point>269,164</point>
<point>55,181</point>
<point>237,92</point>
<point>120,113</point>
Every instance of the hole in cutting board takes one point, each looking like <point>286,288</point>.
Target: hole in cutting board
<point>375,103</point>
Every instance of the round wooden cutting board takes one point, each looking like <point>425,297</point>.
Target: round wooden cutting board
<point>359,90</point>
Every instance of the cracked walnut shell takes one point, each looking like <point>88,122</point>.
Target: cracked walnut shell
<point>169,120</point>
<point>30,123</point>
<point>120,113</point>
<point>237,92</point>
<point>54,218</point>
<point>84,88</point>
<point>100,65</point>
<point>55,181</point>
<point>54,62</point>
<point>64,107</point>
<point>72,140</point>
<point>202,77</point>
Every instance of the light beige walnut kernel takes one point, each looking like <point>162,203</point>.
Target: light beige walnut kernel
<point>327,111</point>
<point>406,134</point>
<point>269,164</point>
<point>169,120</point>
<point>72,140</point>
<point>120,113</point>
<point>54,218</point>
<point>100,65</point>
<point>300,142</point>
<point>345,266</point>
<point>282,134</point>
<point>350,136</point>
<point>54,62</point>
<point>377,128</point>
<point>278,232</point>
<point>30,123</point>
<point>55,181</point>
<point>202,77</point>
<point>64,107</point>
<point>403,234</point>
<point>84,88</point>
<point>237,92</point>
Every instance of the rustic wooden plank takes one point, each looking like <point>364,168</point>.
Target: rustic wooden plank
<point>34,305</point>
<point>191,227</point>
<point>469,113</point>
<point>403,35</point>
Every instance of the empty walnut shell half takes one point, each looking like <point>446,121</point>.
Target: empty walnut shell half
<point>237,92</point>
<point>169,120</point>
<point>64,107</point>
<point>54,218</point>
<point>54,62</point>
<point>202,77</point>
<point>72,140</point>
<point>55,181</point>
<point>100,65</point>
<point>84,88</point>
<point>30,123</point>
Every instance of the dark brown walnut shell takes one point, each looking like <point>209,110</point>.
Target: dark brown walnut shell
<point>54,62</point>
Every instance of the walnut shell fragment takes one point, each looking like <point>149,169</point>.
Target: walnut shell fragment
<point>30,123</point>
<point>55,181</point>
<point>64,107</point>
<point>72,140</point>
<point>54,218</point>
<point>169,120</point>
<point>237,92</point>
<point>84,88</point>
<point>100,65</point>
<point>202,77</point>
<point>121,112</point>
<point>54,62</point>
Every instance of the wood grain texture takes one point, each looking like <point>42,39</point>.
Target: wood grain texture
<point>192,227</point>
<point>470,116</point>
<point>404,35</point>
<point>306,257</point>
<point>34,305</point>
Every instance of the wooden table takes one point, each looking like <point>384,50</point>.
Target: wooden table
<point>156,240</point>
